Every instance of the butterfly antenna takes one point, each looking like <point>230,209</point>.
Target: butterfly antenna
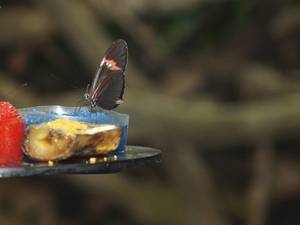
<point>14,90</point>
<point>67,83</point>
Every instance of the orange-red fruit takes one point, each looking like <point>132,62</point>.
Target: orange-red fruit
<point>7,110</point>
<point>11,134</point>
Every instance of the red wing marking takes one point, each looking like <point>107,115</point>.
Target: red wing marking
<point>111,64</point>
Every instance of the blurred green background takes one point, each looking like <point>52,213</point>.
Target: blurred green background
<point>215,85</point>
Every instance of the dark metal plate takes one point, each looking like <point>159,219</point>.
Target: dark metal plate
<point>133,156</point>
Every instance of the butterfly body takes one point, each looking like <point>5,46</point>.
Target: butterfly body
<point>108,85</point>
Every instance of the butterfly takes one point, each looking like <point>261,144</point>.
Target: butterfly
<point>108,85</point>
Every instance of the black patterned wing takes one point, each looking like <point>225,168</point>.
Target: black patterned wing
<point>107,88</point>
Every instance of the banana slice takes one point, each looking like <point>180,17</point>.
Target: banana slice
<point>59,139</point>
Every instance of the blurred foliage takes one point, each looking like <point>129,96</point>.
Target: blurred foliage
<point>213,84</point>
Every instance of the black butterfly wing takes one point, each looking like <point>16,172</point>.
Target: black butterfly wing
<point>107,88</point>
<point>111,92</point>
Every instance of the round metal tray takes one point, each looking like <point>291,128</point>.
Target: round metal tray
<point>133,156</point>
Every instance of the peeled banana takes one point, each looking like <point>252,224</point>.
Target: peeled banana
<point>62,138</point>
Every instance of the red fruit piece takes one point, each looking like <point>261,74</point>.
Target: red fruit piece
<point>11,134</point>
<point>7,110</point>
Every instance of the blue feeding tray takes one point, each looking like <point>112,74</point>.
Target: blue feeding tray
<point>38,114</point>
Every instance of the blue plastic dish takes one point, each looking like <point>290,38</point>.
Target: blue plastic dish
<point>38,114</point>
